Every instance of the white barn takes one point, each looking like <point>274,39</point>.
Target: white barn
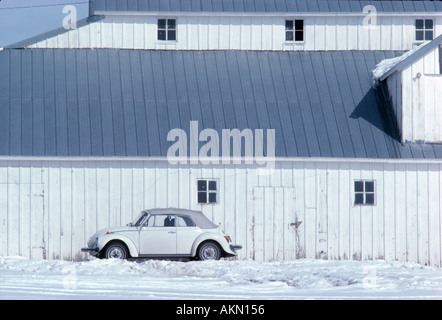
<point>88,122</point>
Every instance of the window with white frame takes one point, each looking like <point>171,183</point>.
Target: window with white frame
<point>167,29</point>
<point>207,191</point>
<point>364,191</point>
<point>424,29</point>
<point>294,30</point>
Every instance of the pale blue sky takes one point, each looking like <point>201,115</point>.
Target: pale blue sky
<point>22,19</point>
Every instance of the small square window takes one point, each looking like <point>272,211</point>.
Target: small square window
<point>167,29</point>
<point>364,192</point>
<point>294,30</point>
<point>207,191</point>
<point>424,29</point>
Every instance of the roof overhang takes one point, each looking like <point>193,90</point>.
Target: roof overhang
<point>264,14</point>
<point>413,57</point>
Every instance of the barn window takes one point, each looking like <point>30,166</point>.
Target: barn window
<point>167,29</point>
<point>207,191</point>
<point>424,29</point>
<point>364,192</point>
<point>294,30</point>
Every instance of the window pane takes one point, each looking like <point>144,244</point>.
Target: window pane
<point>428,35</point>
<point>171,35</point>
<point>419,24</point>
<point>369,198</point>
<point>212,185</point>
<point>299,35</point>
<point>429,24</point>
<point>202,185</point>
<point>202,197</point>
<point>171,24</point>
<point>184,221</point>
<point>161,23</point>
<point>359,198</point>
<point>419,35</point>
<point>169,221</point>
<point>299,25</point>
<point>359,186</point>
<point>289,36</point>
<point>289,25</point>
<point>212,197</point>
<point>369,186</point>
<point>161,35</point>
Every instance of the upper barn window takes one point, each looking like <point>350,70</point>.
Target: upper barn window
<point>167,29</point>
<point>364,192</point>
<point>424,29</point>
<point>294,30</point>
<point>207,191</point>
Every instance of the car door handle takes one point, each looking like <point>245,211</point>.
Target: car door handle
<point>173,231</point>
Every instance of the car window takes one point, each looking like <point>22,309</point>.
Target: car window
<point>184,221</point>
<point>161,220</point>
<point>141,218</point>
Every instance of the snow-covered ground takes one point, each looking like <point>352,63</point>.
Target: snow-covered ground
<point>22,278</point>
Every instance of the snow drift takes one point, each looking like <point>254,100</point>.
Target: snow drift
<point>22,278</point>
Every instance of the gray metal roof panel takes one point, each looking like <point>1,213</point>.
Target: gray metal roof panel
<point>110,102</point>
<point>267,6</point>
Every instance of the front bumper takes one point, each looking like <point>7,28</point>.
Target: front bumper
<point>92,251</point>
<point>235,247</point>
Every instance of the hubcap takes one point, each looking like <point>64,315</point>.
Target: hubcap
<point>209,252</point>
<point>116,253</point>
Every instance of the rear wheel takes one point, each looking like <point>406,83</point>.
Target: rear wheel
<point>115,250</point>
<point>209,251</point>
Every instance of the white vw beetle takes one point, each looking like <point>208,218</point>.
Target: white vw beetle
<point>163,233</point>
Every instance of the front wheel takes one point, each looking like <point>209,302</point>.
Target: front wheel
<point>115,251</point>
<point>209,251</point>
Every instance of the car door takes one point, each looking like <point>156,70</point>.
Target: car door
<point>187,232</point>
<point>158,236</point>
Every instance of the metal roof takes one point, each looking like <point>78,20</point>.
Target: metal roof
<point>112,102</point>
<point>263,6</point>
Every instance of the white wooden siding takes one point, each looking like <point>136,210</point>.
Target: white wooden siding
<point>417,99</point>
<point>244,33</point>
<point>49,209</point>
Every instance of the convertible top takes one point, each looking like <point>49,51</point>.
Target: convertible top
<point>197,216</point>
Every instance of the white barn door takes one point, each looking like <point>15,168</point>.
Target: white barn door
<point>274,224</point>
<point>22,219</point>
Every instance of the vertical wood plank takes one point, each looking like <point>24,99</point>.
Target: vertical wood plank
<point>258,224</point>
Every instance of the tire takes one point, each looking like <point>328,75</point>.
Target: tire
<point>115,250</point>
<point>209,251</point>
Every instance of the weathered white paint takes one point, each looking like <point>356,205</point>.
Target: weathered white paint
<point>416,94</point>
<point>245,32</point>
<point>304,209</point>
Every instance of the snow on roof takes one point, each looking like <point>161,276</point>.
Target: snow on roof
<point>387,64</point>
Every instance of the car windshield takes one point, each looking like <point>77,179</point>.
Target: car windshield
<point>142,216</point>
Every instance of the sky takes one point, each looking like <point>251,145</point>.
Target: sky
<point>22,19</point>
